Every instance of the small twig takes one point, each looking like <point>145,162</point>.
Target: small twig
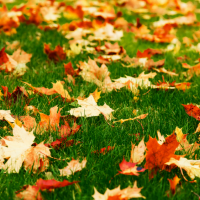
<point>147,92</point>
<point>196,194</point>
<point>140,124</point>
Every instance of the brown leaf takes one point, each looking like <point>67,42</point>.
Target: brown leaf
<point>18,92</point>
<point>70,70</point>
<point>56,55</point>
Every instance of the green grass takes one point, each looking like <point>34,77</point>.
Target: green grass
<point>164,109</point>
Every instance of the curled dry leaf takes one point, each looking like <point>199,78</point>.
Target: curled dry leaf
<point>173,183</point>
<point>5,115</point>
<point>57,88</point>
<point>192,167</point>
<point>137,152</point>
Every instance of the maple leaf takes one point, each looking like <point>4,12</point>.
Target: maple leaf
<point>89,108</point>
<point>143,62</point>
<point>18,92</point>
<point>72,167</point>
<point>65,130</point>
<point>137,152</point>
<point>157,155</point>
<point>180,86</point>
<point>106,33</point>
<point>29,122</point>
<point>141,81</point>
<point>56,55</point>
<point>147,53</point>
<point>33,192</point>
<point>14,63</point>
<point>16,149</point>
<point>37,158</point>
<point>129,168</point>
<point>192,70</point>
<point>118,194</point>
<point>59,143</point>
<point>69,70</point>
<point>57,88</point>
<point>192,111</point>
<point>49,121</point>
<point>3,57</point>
<point>98,75</point>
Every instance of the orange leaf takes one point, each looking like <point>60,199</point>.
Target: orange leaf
<point>157,155</point>
<point>173,183</point>
<point>192,111</point>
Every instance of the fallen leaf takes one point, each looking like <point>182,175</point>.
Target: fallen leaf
<point>15,149</point>
<point>173,183</point>
<point>89,108</point>
<point>72,167</point>
<point>37,158</point>
<point>157,155</point>
<point>129,168</point>
<point>138,152</point>
<point>192,111</point>
<point>49,121</point>
<point>56,55</point>
<point>33,192</point>
<point>192,167</point>
<point>117,194</point>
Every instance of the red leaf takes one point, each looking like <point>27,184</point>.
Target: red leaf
<point>104,150</point>
<point>52,184</point>
<point>148,53</point>
<point>60,142</point>
<point>129,168</point>
<point>3,57</point>
<point>70,70</point>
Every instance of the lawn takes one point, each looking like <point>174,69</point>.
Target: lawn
<point>82,82</point>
